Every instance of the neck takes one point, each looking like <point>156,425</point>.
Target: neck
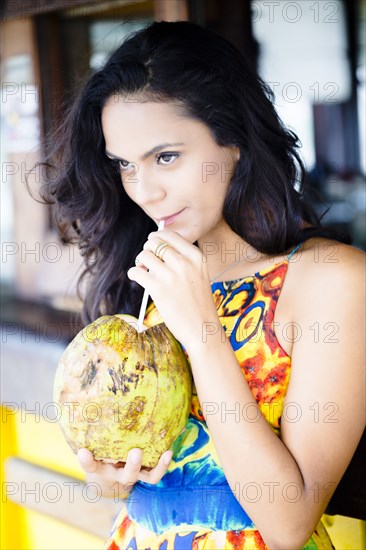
<point>223,249</point>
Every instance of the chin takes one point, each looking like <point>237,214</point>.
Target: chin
<point>189,235</point>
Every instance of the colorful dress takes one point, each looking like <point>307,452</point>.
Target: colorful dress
<point>193,507</point>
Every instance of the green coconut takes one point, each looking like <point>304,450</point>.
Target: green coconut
<point>118,389</point>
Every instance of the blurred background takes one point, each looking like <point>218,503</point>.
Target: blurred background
<point>312,53</point>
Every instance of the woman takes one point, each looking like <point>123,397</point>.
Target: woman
<point>265,301</point>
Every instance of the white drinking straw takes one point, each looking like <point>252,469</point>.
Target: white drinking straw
<point>146,295</point>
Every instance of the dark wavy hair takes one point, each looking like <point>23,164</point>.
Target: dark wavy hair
<point>210,81</point>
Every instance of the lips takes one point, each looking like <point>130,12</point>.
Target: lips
<point>171,218</point>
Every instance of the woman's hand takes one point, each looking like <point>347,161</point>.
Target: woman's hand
<point>117,480</point>
<point>179,284</point>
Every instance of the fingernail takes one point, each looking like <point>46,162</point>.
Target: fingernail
<point>135,456</point>
<point>167,458</point>
<point>82,455</point>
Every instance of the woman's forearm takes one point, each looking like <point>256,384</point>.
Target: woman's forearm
<point>258,466</point>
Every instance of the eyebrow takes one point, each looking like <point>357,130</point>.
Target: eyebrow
<point>155,149</point>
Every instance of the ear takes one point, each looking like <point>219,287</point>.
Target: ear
<point>235,152</point>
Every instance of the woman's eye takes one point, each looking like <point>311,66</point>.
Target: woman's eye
<point>120,165</point>
<point>164,159</point>
<point>163,156</point>
<point>124,165</point>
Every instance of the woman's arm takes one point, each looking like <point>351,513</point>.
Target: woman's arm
<point>285,484</point>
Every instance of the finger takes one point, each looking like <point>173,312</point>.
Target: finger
<point>87,461</point>
<point>92,466</point>
<point>176,241</point>
<point>140,276</point>
<point>146,259</point>
<point>132,468</point>
<point>162,250</point>
<point>155,475</point>
<point>138,262</point>
<point>150,269</point>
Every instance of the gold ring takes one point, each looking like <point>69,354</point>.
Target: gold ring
<point>163,250</point>
<point>159,249</point>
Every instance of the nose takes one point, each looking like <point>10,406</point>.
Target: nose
<point>147,188</point>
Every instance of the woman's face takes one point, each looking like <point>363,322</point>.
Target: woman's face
<point>170,165</point>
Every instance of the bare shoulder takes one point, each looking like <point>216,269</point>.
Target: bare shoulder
<point>325,269</point>
<point>319,253</point>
